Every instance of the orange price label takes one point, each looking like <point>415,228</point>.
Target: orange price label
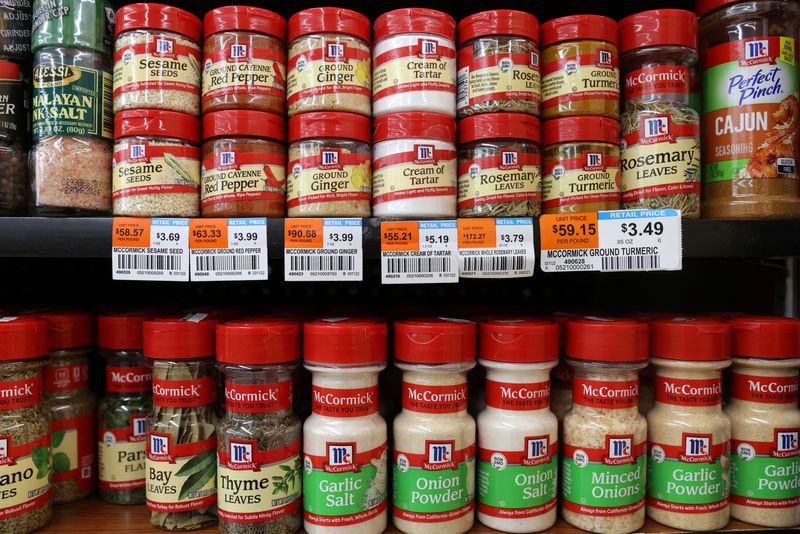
<point>208,233</point>
<point>569,231</point>
<point>477,233</point>
<point>399,236</point>
<point>303,233</point>
<point>130,232</point>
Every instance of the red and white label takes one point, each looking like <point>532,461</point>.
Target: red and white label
<point>417,64</point>
<point>765,389</point>
<point>31,486</point>
<point>510,176</point>
<point>658,79</point>
<point>510,396</point>
<point>356,402</point>
<point>128,379</point>
<point>21,393</point>
<point>605,395</point>
<point>687,392</point>
<point>160,64</point>
<point>258,398</point>
<point>434,399</point>
<point>142,168</point>
<point>59,378</point>
<point>184,393</point>
<point>619,450</point>
<point>537,450</point>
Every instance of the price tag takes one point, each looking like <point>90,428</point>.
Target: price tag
<point>150,249</point>
<point>228,249</point>
<point>424,252</point>
<point>496,248</point>
<point>324,250</point>
<point>622,240</point>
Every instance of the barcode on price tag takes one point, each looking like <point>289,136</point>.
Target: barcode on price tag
<point>496,248</point>
<point>228,249</point>
<point>323,250</point>
<point>150,249</point>
<point>419,252</point>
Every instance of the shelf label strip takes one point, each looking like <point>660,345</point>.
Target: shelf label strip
<point>496,248</point>
<point>150,249</point>
<point>323,250</point>
<point>419,252</point>
<point>228,249</point>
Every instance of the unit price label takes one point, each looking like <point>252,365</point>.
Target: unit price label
<point>496,248</point>
<point>150,249</point>
<point>228,249</point>
<point>419,252</point>
<point>323,250</point>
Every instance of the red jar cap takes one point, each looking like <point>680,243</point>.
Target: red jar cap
<point>235,123</point>
<point>23,338</point>
<point>579,27</point>
<point>518,340</point>
<point>69,329</point>
<point>158,17</point>
<point>765,337</point>
<point>345,341</point>
<point>120,331</point>
<point>329,124</point>
<point>258,341</point>
<point>415,20</point>
<point>498,22</point>
<point>499,126</point>
<point>690,339</point>
<point>434,340</point>
<point>410,124</point>
<point>607,340</point>
<point>157,123</point>
<point>180,338</point>
<point>244,19</point>
<point>660,27</point>
<point>329,20</point>
<point>580,129</point>
<point>704,6</point>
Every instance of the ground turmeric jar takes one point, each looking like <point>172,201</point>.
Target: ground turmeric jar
<point>580,67</point>
<point>244,164</point>
<point>581,165</point>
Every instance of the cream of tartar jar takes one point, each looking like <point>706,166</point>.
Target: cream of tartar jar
<point>414,62</point>
<point>414,166</point>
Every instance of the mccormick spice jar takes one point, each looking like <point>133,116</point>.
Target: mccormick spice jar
<point>330,65</point>
<point>580,71</point>
<point>498,63</point>
<point>156,164</point>
<point>581,165</point>
<point>329,172</point>
<point>244,60</point>
<point>414,62</point>
<point>499,166</point>
<point>244,164</point>
<point>157,59</point>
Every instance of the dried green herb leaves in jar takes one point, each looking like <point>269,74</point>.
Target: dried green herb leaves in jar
<point>259,471</point>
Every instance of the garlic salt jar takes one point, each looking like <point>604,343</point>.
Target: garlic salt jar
<point>414,62</point>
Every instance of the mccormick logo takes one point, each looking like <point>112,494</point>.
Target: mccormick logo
<point>424,154</point>
<point>237,52</point>
<point>428,49</point>
<point>439,455</point>
<point>329,158</point>
<point>756,52</point>
<point>158,449</point>
<point>604,59</point>
<point>619,450</point>
<point>138,428</point>
<point>226,160</point>
<point>341,458</point>
<point>240,455</point>
<point>696,449</point>
<point>594,162</point>
<point>5,451</point>
<point>165,47</point>
<point>537,451</point>
<point>335,52</point>
<point>657,129</point>
<point>509,159</point>
<point>786,443</point>
<point>137,153</point>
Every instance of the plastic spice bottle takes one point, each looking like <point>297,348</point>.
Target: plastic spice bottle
<point>330,63</point>
<point>660,129</point>
<point>434,436</point>
<point>344,440</point>
<point>415,166</point>
<point>25,426</point>
<point>580,70</point>
<point>581,165</point>
<point>688,434</point>
<point>498,63</point>
<point>517,432</point>
<point>181,485</point>
<point>499,166</point>
<point>414,62</point>
<point>244,60</point>
<point>244,164</point>
<point>604,437</point>
<point>157,59</point>
<point>122,413</point>
<point>259,472</point>
<point>156,170</point>
<point>765,421</point>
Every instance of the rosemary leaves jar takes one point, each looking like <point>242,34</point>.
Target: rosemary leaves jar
<point>122,412</point>
<point>181,487</point>
<point>259,471</point>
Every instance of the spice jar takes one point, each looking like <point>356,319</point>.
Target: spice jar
<point>329,165</point>
<point>181,486</point>
<point>259,471</point>
<point>434,436</point>
<point>24,426</point>
<point>157,59</point>
<point>603,454</point>
<point>498,63</point>
<point>415,169</point>
<point>244,60</point>
<point>156,164</point>
<point>344,440</point>
<point>414,62</point>
<point>581,165</point>
<point>15,120</point>
<point>122,412</point>
<point>517,432</point>
<point>580,71</point>
<point>688,434</point>
<point>765,421</point>
<point>15,28</point>
<point>748,56</point>
<point>499,166</point>
<point>244,164</point>
<point>330,63</point>
<point>660,157</point>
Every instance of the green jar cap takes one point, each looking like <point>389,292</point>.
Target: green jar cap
<point>73,23</point>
